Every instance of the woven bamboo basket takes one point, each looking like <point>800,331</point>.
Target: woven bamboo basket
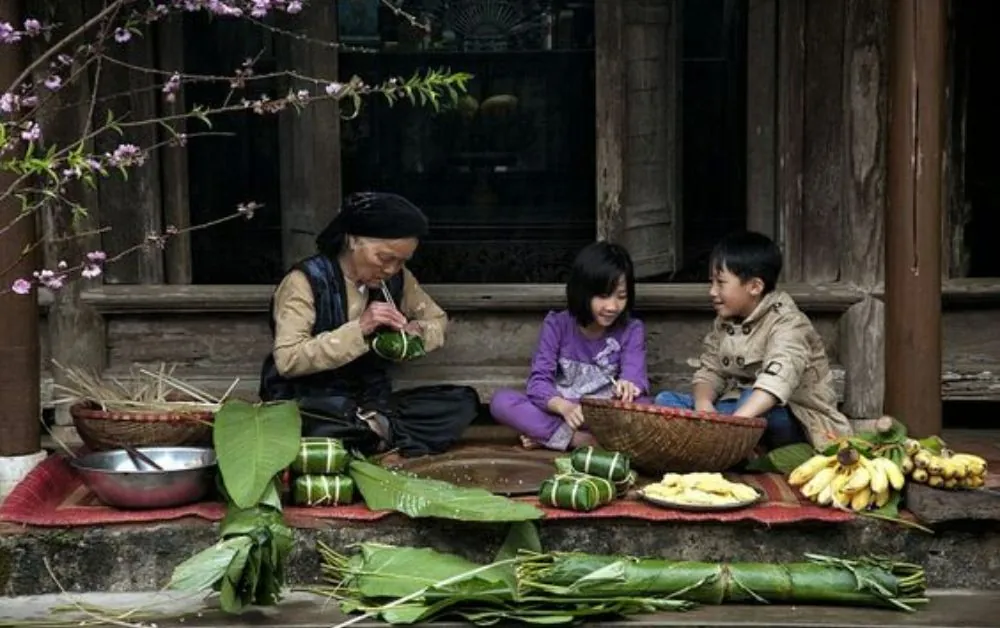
<point>660,440</point>
<point>101,430</point>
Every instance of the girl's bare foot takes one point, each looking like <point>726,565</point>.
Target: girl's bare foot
<point>528,443</point>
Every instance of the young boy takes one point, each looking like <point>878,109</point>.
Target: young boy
<point>763,357</point>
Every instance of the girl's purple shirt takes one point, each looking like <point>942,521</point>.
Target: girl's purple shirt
<point>567,364</point>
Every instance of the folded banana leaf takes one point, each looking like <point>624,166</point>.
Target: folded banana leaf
<point>323,490</point>
<point>320,456</point>
<point>821,580</point>
<point>610,465</point>
<point>398,346</point>
<point>415,497</point>
<point>576,491</point>
<point>623,487</point>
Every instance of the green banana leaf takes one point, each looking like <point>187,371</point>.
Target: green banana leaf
<point>253,443</point>
<point>783,459</point>
<point>204,569</point>
<point>383,489</point>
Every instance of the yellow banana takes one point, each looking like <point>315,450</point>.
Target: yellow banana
<point>840,480</point>
<point>936,465</point>
<point>936,481</point>
<point>907,465</point>
<point>970,458</point>
<point>920,476</point>
<point>892,472</point>
<point>912,446</point>
<point>819,482</point>
<point>861,499</point>
<point>879,479</point>
<point>805,471</point>
<point>921,459</point>
<point>973,465</point>
<point>881,499</point>
<point>859,478</point>
<point>825,496</point>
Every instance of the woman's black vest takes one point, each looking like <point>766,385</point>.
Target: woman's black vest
<point>364,379</point>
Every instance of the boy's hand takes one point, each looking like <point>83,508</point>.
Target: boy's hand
<point>704,406</point>
<point>626,390</point>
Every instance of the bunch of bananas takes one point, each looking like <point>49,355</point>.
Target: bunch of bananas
<point>948,470</point>
<point>848,480</point>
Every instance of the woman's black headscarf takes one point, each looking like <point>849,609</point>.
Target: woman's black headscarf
<point>372,215</point>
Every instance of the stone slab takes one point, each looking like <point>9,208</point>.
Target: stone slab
<point>124,558</point>
<point>935,506</point>
<point>948,609</point>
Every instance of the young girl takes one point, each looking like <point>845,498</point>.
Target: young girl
<point>593,348</point>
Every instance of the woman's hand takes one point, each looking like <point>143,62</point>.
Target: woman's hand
<point>380,314</point>
<point>414,328</point>
<point>702,405</point>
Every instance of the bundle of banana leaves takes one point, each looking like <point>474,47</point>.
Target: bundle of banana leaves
<point>247,566</point>
<point>408,585</point>
<point>819,580</point>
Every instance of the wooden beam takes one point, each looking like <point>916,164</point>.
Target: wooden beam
<point>865,107</point>
<point>452,297</point>
<point>609,71</point>
<point>762,75</point>
<point>914,214</point>
<point>20,372</point>
<point>174,162</point>
<point>791,129</point>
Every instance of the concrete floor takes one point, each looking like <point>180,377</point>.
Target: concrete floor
<point>948,609</point>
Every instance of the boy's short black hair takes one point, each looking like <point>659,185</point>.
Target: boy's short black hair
<point>595,272</point>
<point>747,255</point>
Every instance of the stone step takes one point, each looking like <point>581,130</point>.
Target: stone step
<point>949,609</point>
<point>141,557</point>
<point>486,380</point>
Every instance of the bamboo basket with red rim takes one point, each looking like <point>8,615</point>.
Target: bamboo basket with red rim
<point>662,440</point>
<point>101,430</point>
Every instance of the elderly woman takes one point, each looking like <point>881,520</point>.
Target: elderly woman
<point>325,314</point>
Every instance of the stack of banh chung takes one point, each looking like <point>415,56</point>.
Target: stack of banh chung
<point>320,471</point>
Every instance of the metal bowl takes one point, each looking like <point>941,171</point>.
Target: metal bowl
<point>188,476</point>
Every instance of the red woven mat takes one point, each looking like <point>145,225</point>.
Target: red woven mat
<point>53,495</point>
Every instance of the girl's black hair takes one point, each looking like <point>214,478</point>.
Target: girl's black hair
<point>747,255</point>
<point>596,271</point>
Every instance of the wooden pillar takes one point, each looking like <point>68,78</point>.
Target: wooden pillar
<point>762,92</point>
<point>76,331</point>
<point>638,70</point>
<point>914,214</point>
<point>131,208</point>
<point>174,161</point>
<point>609,70</point>
<point>865,133</point>
<point>20,427</point>
<point>791,133</point>
<point>310,139</point>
